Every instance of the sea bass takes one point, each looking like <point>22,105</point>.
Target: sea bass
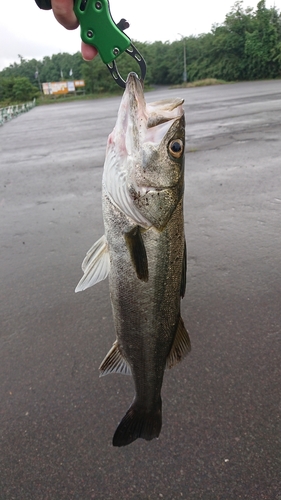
<point>143,252</point>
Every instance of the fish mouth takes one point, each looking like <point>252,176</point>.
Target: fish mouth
<point>135,98</point>
<point>134,86</point>
<point>155,113</point>
<point>146,122</point>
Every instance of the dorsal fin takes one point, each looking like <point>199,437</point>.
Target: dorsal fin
<point>114,362</point>
<point>181,346</point>
<point>96,265</point>
<point>137,251</point>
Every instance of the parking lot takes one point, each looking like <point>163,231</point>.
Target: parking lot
<point>220,438</point>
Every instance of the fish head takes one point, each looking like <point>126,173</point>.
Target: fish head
<point>144,167</point>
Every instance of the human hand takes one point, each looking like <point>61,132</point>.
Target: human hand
<point>64,13</point>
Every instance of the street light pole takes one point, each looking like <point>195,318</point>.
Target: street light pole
<point>184,59</point>
<point>37,76</point>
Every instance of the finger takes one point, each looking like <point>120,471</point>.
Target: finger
<point>64,13</point>
<point>88,51</point>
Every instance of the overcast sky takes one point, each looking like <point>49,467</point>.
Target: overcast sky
<point>33,33</point>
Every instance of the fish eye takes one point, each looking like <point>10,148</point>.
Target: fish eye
<point>176,148</point>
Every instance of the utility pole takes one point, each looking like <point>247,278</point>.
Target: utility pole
<point>184,76</point>
<point>37,76</point>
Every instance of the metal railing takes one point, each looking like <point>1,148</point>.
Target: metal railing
<point>10,112</point>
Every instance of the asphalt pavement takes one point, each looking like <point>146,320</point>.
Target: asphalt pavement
<point>220,438</point>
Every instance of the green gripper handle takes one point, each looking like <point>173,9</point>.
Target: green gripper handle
<point>98,29</point>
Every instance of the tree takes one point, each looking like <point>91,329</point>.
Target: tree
<point>17,89</point>
<point>6,88</point>
<point>262,46</point>
<point>23,90</point>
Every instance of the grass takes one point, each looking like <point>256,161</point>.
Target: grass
<point>201,83</point>
<point>51,99</point>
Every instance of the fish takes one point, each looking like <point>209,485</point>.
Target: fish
<point>143,252</point>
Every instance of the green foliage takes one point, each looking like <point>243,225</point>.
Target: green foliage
<point>18,89</point>
<point>23,90</point>
<point>262,46</point>
<point>247,45</point>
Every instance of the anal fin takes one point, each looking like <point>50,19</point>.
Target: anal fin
<point>181,346</point>
<point>114,362</point>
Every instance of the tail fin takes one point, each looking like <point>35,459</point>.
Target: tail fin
<point>139,423</point>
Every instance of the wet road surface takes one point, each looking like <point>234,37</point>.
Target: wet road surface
<point>221,407</point>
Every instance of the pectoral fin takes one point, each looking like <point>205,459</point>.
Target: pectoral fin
<point>181,346</point>
<point>96,265</point>
<point>137,251</point>
<point>114,362</point>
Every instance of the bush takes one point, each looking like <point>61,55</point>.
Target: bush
<point>17,90</point>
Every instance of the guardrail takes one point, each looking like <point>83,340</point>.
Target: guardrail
<point>10,112</point>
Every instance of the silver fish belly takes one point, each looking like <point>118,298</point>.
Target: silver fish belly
<point>143,252</point>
